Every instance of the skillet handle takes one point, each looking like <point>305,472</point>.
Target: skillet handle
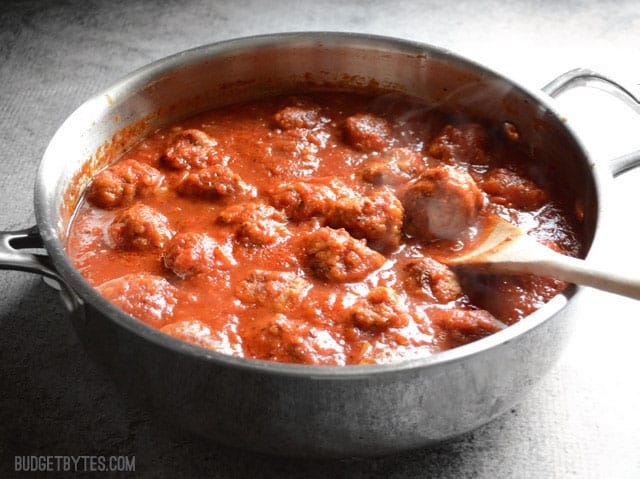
<point>586,77</point>
<point>12,257</point>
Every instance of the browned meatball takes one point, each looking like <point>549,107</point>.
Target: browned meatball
<point>376,217</point>
<point>189,254</point>
<point>463,143</point>
<point>273,289</point>
<point>298,116</point>
<point>441,204</point>
<point>215,182</point>
<point>282,339</point>
<point>121,183</point>
<point>430,278</point>
<point>456,326</point>
<point>512,190</point>
<point>255,223</point>
<point>367,132</point>
<point>191,149</point>
<point>393,167</point>
<point>145,296</point>
<point>335,255</point>
<point>307,199</point>
<point>381,309</point>
<point>140,227</point>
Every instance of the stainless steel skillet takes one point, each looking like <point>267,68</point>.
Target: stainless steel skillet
<point>310,410</point>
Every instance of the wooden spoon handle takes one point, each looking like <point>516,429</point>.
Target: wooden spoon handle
<point>542,261</point>
<point>507,250</point>
<point>582,272</point>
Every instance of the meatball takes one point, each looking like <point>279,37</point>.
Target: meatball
<point>278,338</point>
<point>145,296</point>
<point>121,183</point>
<point>334,255</point>
<point>298,116</point>
<point>441,204</point>
<point>376,217</point>
<point>457,326</point>
<point>191,149</point>
<point>198,333</point>
<point>367,132</point>
<point>381,309</point>
<point>140,227</point>
<point>512,190</point>
<point>463,143</point>
<point>393,167</point>
<point>430,278</point>
<point>215,182</point>
<point>192,331</point>
<point>189,254</point>
<point>273,289</point>
<point>306,199</point>
<point>255,223</point>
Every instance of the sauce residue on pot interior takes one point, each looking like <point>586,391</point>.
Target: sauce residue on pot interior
<point>312,228</point>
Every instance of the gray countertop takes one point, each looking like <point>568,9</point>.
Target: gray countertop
<point>581,421</point>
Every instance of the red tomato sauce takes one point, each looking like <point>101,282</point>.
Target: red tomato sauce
<point>308,229</point>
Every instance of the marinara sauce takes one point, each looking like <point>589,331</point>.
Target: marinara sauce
<point>314,229</point>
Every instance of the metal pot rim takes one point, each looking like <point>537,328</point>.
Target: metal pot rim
<point>78,285</point>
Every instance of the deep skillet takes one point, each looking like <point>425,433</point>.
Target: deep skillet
<point>295,409</point>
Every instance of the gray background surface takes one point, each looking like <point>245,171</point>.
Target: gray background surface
<point>581,421</point>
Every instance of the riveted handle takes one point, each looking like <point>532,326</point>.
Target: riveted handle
<point>585,77</point>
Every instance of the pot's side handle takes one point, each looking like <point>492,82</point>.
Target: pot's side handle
<point>586,77</point>
<point>625,163</point>
<point>12,257</point>
<point>15,255</point>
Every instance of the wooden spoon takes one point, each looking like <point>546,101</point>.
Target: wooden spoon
<point>507,249</point>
